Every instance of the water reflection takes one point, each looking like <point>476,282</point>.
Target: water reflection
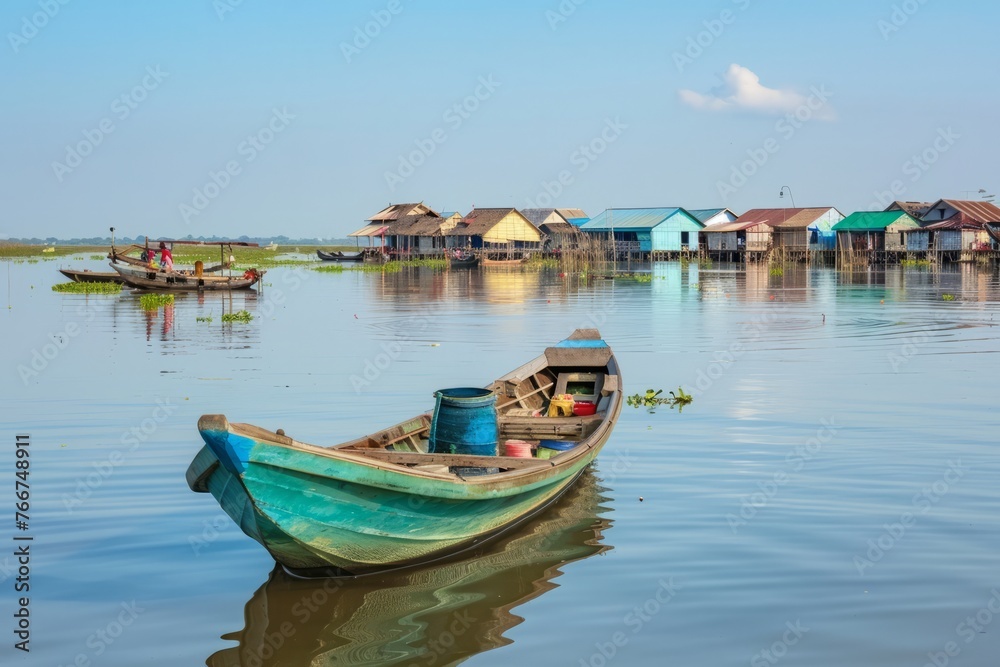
<point>435,615</point>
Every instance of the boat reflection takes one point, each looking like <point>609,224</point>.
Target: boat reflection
<point>436,615</point>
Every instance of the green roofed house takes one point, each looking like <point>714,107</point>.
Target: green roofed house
<point>647,230</point>
<point>874,231</point>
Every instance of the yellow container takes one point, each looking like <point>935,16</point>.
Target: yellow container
<point>561,406</point>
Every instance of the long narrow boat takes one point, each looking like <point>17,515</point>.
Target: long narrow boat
<point>340,256</point>
<point>486,261</point>
<point>183,281</point>
<point>382,501</point>
<point>87,276</point>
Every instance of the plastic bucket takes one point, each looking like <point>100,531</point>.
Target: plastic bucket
<point>518,449</point>
<point>465,422</point>
<point>584,408</point>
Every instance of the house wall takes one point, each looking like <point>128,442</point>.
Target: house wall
<point>917,240</point>
<point>948,239</point>
<point>513,227</point>
<point>666,237</point>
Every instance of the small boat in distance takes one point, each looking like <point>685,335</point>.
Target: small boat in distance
<point>340,256</point>
<point>462,259</point>
<point>88,276</point>
<point>393,499</point>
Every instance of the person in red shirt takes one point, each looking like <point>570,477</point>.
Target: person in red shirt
<point>166,257</point>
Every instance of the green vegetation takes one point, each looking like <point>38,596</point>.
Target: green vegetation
<point>329,268</point>
<point>98,257</point>
<point>777,271</point>
<point>537,262</point>
<point>701,262</point>
<point>635,277</point>
<point>17,250</point>
<point>88,288</point>
<point>154,301</point>
<point>241,316</point>
<point>204,319</point>
<point>948,297</point>
<point>915,263</point>
<point>652,400</point>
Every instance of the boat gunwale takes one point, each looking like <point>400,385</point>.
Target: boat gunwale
<point>512,479</point>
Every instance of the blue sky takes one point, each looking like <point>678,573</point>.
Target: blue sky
<point>222,117</point>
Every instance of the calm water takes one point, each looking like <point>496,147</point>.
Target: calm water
<point>830,498</point>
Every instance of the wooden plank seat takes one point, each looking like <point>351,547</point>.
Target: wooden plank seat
<point>547,428</point>
<point>460,460</point>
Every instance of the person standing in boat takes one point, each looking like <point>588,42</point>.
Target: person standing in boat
<point>166,257</point>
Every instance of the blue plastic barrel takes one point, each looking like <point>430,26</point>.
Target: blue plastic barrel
<point>465,422</point>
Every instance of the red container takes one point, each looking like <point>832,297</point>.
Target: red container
<point>584,409</point>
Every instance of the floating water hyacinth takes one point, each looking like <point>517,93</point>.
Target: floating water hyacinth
<point>653,399</point>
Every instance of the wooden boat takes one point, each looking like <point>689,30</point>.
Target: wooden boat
<point>87,276</point>
<point>360,619</point>
<point>462,260</point>
<point>381,501</point>
<point>340,256</point>
<point>184,281</point>
<point>486,261</point>
<point>125,255</point>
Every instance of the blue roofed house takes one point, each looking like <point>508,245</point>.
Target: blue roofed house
<point>652,230</point>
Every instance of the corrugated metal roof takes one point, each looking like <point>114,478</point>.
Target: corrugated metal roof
<point>537,215</point>
<point>978,211</point>
<point>957,221</point>
<point>370,230</point>
<point>417,225</point>
<point>631,218</point>
<point>570,213</point>
<point>874,221</point>
<point>703,215</point>
<point>397,211</point>
<point>578,222</point>
<point>737,227</point>
<point>914,208</point>
<point>785,218</point>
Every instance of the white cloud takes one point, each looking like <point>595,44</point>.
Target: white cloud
<point>742,90</point>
